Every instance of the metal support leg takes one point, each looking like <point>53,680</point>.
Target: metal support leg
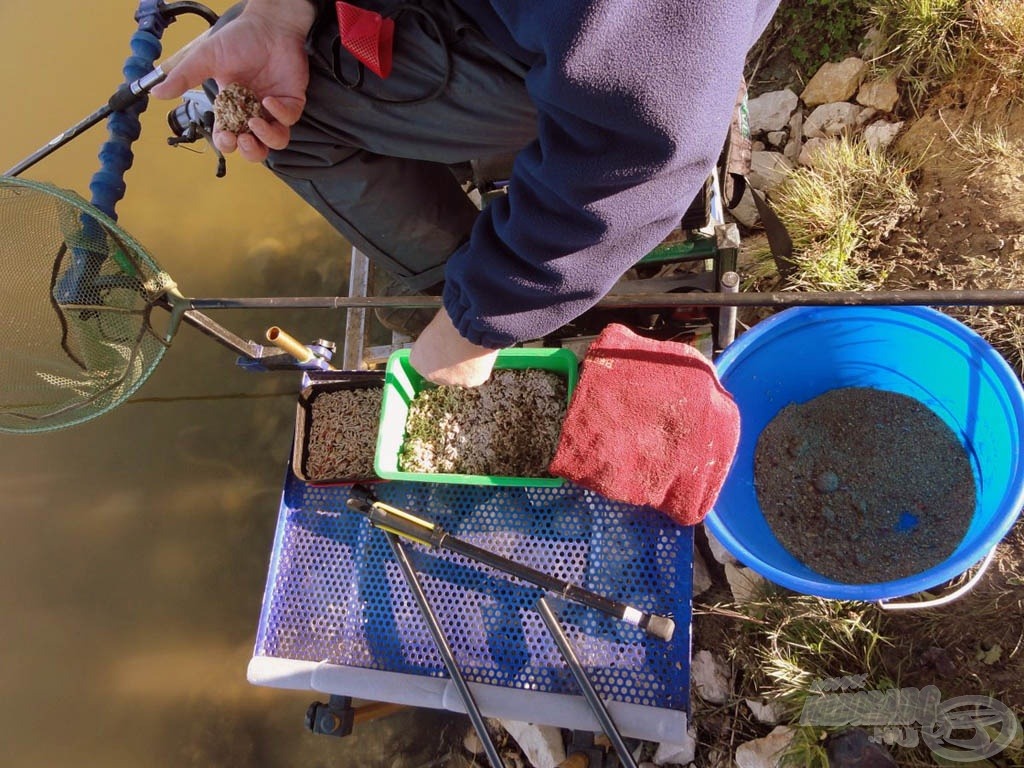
<point>355,319</point>
<point>730,283</point>
<point>589,693</point>
<point>727,280</point>
<point>444,649</point>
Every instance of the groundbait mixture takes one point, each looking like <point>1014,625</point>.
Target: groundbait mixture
<point>509,426</point>
<point>233,107</point>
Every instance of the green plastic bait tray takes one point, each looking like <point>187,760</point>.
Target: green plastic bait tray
<point>402,383</point>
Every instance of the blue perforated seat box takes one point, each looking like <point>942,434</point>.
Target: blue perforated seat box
<point>338,618</point>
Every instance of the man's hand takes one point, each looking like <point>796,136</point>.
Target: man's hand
<point>443,356</point>
<point>264,49</point>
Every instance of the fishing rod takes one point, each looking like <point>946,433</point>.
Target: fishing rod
<point>153,17</point>
<point>935,298</point>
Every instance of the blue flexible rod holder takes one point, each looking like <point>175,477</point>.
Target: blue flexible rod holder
<point>107,185</point>
<point>116,157</point>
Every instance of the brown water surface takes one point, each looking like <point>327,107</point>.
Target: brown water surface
<point>135,546</point>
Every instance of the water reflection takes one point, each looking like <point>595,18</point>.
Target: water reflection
<point>135,546</point>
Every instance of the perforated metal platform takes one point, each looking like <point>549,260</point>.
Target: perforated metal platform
<point>337,616</point>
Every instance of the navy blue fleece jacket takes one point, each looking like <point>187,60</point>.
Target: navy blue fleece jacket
<point>634,100</point>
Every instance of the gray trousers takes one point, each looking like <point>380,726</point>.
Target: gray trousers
<point>377,170</point>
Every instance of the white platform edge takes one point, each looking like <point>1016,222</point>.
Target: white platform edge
<point>561,710</point>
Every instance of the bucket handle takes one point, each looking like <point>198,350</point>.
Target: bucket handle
<point>957,593</point>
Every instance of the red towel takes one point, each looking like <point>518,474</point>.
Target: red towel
<point>366,35</point>
<point>649,424</point>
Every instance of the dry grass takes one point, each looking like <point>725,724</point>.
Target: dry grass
<point>925,40</point>
<point>978,150</point>
<point>932,42</point>
<point>999,42</point>
<point>982,164</point>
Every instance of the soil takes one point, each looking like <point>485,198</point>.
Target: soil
<point>863,485</point>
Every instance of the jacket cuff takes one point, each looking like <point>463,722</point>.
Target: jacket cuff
<point>462,318</point>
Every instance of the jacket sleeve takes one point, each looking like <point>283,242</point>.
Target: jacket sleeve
<point>634,100</point>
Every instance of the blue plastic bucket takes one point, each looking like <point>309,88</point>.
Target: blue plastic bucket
<point>915,351</point>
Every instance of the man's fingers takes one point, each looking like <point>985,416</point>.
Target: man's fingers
<point>225,141</point>
<point>188,73</point>
<point>285,109</point>
<point>252,149</point>
<point>273,135</point>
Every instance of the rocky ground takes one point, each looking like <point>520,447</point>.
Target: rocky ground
<point>966,230</point>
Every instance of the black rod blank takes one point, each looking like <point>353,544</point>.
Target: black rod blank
<point>779,299</point>
<point>409,526</point>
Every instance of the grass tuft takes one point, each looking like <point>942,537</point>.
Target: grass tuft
<point>838,211</point>
<point>926,40</point>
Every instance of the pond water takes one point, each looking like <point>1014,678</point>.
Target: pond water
<point>135,546</point>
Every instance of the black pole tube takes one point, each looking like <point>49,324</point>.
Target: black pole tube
<point>430,618</point>
<point>994,297</point>
<point>589,693</point>
<point>661,627</point>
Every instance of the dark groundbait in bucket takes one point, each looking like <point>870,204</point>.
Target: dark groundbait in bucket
<point>864,485</point>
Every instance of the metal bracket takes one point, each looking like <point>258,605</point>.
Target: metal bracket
<point>334,718</point>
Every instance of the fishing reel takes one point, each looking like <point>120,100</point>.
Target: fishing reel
<point>192,120</point>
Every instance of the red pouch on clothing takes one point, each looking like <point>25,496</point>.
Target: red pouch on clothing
<point>367,35</point>
<point>649,424</point>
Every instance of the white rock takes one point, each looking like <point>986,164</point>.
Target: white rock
<point>776,138</point>
<point>719,552</point>
<point>676,754</point>
<point>766,752</point>
<point>542,744</point>
<point>758,146</point>
<point>831,119</point>
<point>701,577</point>
<point>810,149</point>
<point>771,111</point>
<point>881,93</point>
<point>744,583</point>
<point>880,135</point>
<point>796,126</point>
<point>767,712</point>
<point>471,742</point>
<point>768,170</point>
<point>792,150</point>
<point>710,678</point>
<point>835,82</point>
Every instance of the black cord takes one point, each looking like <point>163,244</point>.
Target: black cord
<point>360,69</point>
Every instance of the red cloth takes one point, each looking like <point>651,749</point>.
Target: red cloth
<point>649,424</point>
<point>367,35</point>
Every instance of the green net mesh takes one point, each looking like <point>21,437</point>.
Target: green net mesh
<point>76,297</point>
